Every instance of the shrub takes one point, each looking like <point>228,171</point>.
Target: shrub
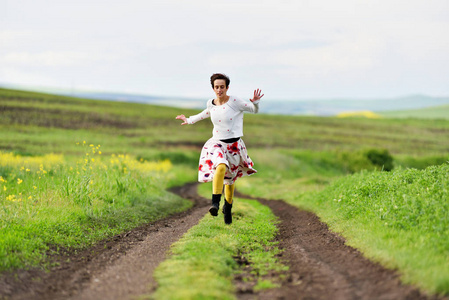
<point>380,158</point>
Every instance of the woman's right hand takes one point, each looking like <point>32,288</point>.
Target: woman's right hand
<point>182,117</point>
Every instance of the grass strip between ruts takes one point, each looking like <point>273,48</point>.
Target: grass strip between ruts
<point>202,264</point>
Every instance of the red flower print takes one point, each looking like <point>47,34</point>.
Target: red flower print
<point>250,171</point>
<point>200,167</point>
<point>245,164</point>
<point>234,148</point>
<point>234,168</point>
<point>209,163</point>
<point>220,155</point>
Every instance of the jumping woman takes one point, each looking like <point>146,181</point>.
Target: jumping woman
<point>224,158</point>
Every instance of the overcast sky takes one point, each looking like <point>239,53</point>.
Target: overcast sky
<point>290,49</point>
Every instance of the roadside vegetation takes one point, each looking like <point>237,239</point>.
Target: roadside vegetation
<point>49,202</point>
<point>381,183</point>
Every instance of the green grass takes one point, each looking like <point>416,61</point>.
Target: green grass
<point>398,218</point>
<point>202,264</point>
<point>49,202</point>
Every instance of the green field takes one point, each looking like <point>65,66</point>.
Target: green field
<point>332,166</point>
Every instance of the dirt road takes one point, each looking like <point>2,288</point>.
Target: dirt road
<point>321,265</point>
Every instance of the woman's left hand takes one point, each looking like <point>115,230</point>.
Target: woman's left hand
<point>257,95</point>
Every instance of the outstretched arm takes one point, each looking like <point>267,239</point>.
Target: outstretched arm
<point>182,117</point>
<point>193,119</point>
<point>257,96</point>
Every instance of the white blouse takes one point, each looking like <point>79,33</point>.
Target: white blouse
<point>227,118</point>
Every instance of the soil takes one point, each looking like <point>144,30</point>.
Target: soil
<point>321,266</point>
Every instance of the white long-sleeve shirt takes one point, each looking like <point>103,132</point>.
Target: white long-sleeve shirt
<point>227,118</point>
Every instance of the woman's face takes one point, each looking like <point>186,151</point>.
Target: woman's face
<point>220,88</point>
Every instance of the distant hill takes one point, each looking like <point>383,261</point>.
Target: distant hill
<point>337,106</point>
<point>288,107</point>
<point>271,105</point>
<point>434,112</point>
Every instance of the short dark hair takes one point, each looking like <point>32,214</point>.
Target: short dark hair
<point>219,76</point>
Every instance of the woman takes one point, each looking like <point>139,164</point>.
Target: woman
<point>224,157</point>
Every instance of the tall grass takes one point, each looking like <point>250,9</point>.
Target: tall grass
<point>50,201</point>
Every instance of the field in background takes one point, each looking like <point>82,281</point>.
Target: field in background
<point>300,159</point>
<point>35,124</point>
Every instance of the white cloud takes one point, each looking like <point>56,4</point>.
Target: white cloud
<point>11,75</point>
<point>169,47</point>
<point>53,58</point>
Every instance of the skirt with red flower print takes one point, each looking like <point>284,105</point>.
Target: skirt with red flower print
<point>233,155</point>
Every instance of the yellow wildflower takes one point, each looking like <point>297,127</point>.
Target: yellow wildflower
<point>28,170</point>
<point>4,188</point>
<point>29,198</point>
<point>2,180</point>
<point>19,181</point>
<point>35,187</point>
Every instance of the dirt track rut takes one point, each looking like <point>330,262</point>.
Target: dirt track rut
<point>321,265</point>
